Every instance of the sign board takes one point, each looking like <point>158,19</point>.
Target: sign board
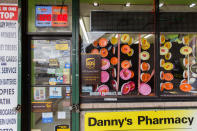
<point>62,128</point>
<point>55,92</point>
<point>91,69</point>
<point>8,67</point>
<point>42,106</point>
<point>167,120</point>
<point>51,16</point>
<point>47,117</point>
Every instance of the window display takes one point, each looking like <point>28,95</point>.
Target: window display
<point>178,57</point>
<point>127,65</point>
<point>122,34</point>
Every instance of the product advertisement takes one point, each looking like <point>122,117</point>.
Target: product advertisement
<point>127,65</point>
<point>8,67</point>
<point>51,16</point>
<point>167,120</point>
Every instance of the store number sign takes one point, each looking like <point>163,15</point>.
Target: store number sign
<point>51,16</point>
<point>8,67</point>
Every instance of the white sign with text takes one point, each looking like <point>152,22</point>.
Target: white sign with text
<point>8,67</point>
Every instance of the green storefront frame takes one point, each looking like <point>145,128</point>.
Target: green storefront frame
<point>75,66</point>
<point>26,36</point>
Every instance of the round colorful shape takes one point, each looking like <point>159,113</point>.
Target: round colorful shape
<point>125,74</point>
<point>104,52</point>
<point>144,89</point>
<point>144,55</point>
<point>103,42</point>
<point>125,38</point>
<point>125,49</point>
<point>105,64</point>
<point>145,66</point>
<point>104,76</point>
<point>126,64</point>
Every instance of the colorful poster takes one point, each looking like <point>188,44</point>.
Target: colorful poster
<point>39,93</point>
<point>8,67</point>
<point>165,120</point>
<point>51,16</point>
<point>43,16</point>
<point>60,16</point>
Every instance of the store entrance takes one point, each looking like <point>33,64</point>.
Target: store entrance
<point>50,83</point>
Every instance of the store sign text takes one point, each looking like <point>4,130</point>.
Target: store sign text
<point>141,120</point>
<point>171,120</point>
<point>8,12</point>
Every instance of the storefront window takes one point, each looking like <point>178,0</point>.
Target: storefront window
<point>178,48</point>
<point>113,40</point>
<point>127,67</point>
<point>178,64</point>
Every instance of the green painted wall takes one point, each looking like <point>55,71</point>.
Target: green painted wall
<point>174,2</point>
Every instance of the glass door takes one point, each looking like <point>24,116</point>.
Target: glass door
<point>50,84</point>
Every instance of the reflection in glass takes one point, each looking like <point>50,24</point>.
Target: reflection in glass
<point>178,74</point>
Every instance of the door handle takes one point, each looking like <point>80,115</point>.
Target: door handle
<point>18,108</point>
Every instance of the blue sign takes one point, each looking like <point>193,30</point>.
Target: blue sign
<point>43,16</point>
<point>47,117</point>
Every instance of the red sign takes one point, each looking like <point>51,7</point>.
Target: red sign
<point>51,16</point>
<point>44,17</point>
<point>59,16</point>
<point>8,12</point>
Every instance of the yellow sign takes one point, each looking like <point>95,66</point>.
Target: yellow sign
<point>61,46</point>
<point>169,120</point>
<point>62,128</point>
<point>90,63</point>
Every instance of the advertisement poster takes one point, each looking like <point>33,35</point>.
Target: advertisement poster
<point>42,106</point>
<point>8,67</point>
<point>91,72</point>
<point>51,16</point>
<point>47,117</point>
<point>165,120</point>
<point>55,92</point>
<point>39,93</point>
